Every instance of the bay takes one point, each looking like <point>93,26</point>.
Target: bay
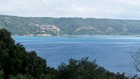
<point>110,52</point>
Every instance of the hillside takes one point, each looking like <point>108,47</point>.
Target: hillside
<point>45,26</point>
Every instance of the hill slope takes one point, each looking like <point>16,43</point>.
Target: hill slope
<point>68,26</point>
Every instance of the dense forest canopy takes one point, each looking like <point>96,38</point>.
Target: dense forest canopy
<point>68,26</point>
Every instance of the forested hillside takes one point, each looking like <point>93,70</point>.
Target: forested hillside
<point>44,26</point>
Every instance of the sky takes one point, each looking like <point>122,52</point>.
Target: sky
<point>112,9</point>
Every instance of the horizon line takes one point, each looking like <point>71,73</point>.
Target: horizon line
<point>67,17</point>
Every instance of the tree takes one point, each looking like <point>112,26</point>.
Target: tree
<point>136,59</point>
<point>17,63</point>
<point>1,74</point>
<point>85,69</point>
<point>14,59</point>
<point>34,65</point>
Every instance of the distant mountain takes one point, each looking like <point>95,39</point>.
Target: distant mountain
<point>44,26</point>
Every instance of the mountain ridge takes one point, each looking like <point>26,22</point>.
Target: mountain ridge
<point>47,26</point>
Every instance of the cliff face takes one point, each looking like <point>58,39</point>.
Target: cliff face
<point>51,28</point>
<point>44,30</point>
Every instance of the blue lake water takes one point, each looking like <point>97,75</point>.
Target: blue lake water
<point>111,52</point>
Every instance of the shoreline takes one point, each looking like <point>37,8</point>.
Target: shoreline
<point>79,36</point>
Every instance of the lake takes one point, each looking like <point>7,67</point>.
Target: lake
<point>110,52</point>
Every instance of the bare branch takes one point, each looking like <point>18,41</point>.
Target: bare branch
<point>136,59</point>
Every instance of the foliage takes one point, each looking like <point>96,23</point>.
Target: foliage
<point>20,76</point>
<point>1,74</point>
<point>68,26</point>
<point>17,63</point>
<point>85,69</point>
<point>14,59</point>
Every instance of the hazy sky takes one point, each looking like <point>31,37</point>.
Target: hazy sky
<point>115,9</point>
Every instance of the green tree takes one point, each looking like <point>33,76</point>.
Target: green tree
<point>34,65</point>
<point>85,69</point>
<point>20,76</point>
<point>1,74</point>
<point>14,59</point>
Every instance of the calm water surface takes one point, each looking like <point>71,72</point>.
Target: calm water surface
<point>111,52</point>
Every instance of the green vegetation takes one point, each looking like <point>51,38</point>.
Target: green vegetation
<point>85,69</point>
<point>17,63</point>
<point>14,59</point>
<point>68,26</point>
